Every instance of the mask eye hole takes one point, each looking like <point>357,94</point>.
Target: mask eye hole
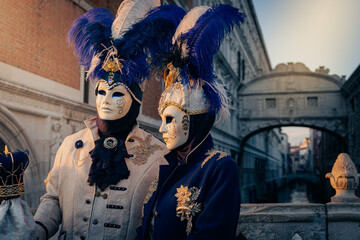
<point>169,119</point>
<point>102,92</point>
<point>118,94</point>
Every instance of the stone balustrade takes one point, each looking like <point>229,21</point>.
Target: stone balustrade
<point>331,221</point>
<point>337,220</point>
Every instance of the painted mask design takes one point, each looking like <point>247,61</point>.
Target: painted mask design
<point>174,132</point>
<point>112,104</point>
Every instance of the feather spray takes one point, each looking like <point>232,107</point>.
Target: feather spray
<point>129,12</point>
<point>196,40</point>
<point>152,34</point>
<point>90,34</point>
<point>136,32</point>
<point>204,39</point>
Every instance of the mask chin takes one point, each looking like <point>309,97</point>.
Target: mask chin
<point>114,103</point>
<point>174,127</point>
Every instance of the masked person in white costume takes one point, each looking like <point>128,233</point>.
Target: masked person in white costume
<point>97,185</point>
<point>197,195</point>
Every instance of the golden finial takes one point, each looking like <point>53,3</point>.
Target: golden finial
<point>170,75</point>
<point>112,66</point>
<point>6,151</point>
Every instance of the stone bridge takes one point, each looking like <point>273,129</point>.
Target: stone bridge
<point>292,95</point>
<point>305,177</point>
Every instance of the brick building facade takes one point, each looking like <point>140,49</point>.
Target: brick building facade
<point>43,95</point>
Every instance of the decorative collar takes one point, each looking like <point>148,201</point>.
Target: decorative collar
<point>91,125</point>
<point>195,155</point>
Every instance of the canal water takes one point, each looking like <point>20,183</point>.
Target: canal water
<point>297,193</point>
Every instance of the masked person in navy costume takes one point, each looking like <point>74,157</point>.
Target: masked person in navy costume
<point>101,174</point>
<point>197,195</point>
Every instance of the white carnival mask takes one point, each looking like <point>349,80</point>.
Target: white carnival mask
<point>114,103</point>
<point>174,127</point>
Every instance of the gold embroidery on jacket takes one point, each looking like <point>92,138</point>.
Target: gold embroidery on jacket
<point>143,150</point>
<point>211,153</point>
<point>80,162</point>
<point>150,192</point>
<point>187,206</point>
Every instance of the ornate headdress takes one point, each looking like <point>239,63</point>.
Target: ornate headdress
<point>190,82</point>
<point>12,168</point>
<point>117,50</point>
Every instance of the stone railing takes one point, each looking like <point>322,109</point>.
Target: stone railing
<point>337,220</point>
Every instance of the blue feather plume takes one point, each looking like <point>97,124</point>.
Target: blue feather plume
<point>203,41</point>
<point>205,38</point>
<point>149,36</point>
<point>153,33</point>
<point>90,33</point>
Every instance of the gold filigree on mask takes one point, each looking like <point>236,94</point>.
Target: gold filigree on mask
<point>185,124</point>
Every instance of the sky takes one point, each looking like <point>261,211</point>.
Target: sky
<point>314,32</point>
<point>296,134</point>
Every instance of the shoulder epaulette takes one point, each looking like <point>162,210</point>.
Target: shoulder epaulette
<point>211,153</point>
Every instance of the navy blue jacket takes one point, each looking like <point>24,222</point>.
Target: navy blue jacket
<point>199,199</point>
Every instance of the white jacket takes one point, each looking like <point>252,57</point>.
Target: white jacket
<point>84,211</point>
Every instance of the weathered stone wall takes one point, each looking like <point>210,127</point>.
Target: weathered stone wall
<point>332,221</point>
<point>351,91</point>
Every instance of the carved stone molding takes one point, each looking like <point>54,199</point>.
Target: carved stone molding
<point>249,125</point>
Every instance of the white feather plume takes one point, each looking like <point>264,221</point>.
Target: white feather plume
<point>129,12</point>
<point>189,21</point>
<point>94,62</point>
<point>224,113</point>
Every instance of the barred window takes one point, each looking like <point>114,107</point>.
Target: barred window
<point>312,101</point>
<point>270,103</point>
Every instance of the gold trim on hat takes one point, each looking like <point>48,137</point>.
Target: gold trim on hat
<point>185,111</point>
<point>16,187</point>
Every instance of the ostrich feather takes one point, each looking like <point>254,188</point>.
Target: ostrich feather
<point>196,40</point>
<point>189,21</point>
<point>204,39</point>
<point>134,70</point>
<point>96,61</point>
<point>218,98</point>
<point>129,12</point>
<point>153,33</point>
<point>89,34</point>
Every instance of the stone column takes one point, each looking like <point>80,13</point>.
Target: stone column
<point>344,208</point>
<point>344,178</point>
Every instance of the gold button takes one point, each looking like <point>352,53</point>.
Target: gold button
<point>97,194</point>
<point>104,196</point>
<point>156,214</point>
